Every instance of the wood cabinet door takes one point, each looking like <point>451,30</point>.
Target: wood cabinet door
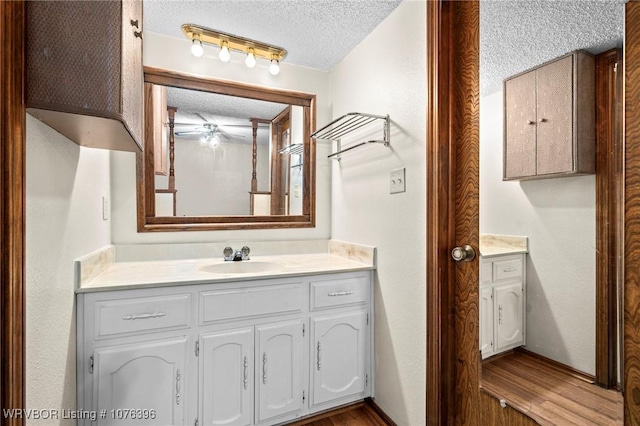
<point>338,345</point>
<point>509,319</point>
<point>279,367</point>
<point>486,321</point>
<point>226,377</point>
<point>555,117</point>
<point>132,75</point>
<point>520,126</point>
<point>142,376</point>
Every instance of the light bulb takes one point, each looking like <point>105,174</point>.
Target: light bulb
<point>196,48</point>
<point>224,54</point>
<point>274,68</point>
<point>251,59</point>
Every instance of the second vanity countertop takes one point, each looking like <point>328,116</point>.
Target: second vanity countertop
<point>129,275</point>
<point>497,245</point>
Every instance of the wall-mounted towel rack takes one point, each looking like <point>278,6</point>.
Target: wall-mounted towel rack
<point>293,149</point>
<point>348,123</point>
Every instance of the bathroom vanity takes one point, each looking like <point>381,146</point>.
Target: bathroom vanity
<point>502,293</point>
<point>239,348</point>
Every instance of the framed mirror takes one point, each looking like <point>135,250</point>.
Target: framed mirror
<point>224,155</point>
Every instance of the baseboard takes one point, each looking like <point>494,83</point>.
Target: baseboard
<point>371,404</point>
<point>559,366</point>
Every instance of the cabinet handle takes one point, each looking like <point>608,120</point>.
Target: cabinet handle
<point>246,372</point>
<point>500,314</point>
<point>341,293</point>
<point>264,368</point>
<point>318,356</point>
<point>543,120</point>
<point>530,122</point>
<point>509,269</point>
<point>143,316</point>
<point>178,378</point>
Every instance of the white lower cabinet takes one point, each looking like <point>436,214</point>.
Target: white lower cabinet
<point>502,303</point>
<point>181,356</point>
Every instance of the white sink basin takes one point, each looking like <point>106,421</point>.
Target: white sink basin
<point>244,267</point>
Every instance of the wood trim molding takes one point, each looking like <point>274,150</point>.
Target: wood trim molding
<point>371,404</point>
<point>631,351</point>
<point>12,207</point>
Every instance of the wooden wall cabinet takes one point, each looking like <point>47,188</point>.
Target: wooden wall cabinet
<point>160,130</point>
<point>502,303</point>
<point>549,119</point>
<point>259,352</point>
<point>84,70</point>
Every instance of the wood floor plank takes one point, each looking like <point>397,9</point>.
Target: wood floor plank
<point>549,395</point>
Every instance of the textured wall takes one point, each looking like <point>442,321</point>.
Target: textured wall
<point>173,53</point>
<point>65,185</point>
<point>386,74</point>
<point>558,215</point>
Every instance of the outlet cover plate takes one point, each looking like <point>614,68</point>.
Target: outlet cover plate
<point>397,181</point>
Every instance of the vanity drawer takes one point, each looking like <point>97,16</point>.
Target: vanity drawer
<point>131,316</point>
<point>327,294</point>
<point>507,269</point>
<point>250,302</point>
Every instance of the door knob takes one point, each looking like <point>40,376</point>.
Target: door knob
<point>465,253</point>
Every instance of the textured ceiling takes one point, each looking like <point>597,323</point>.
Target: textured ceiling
<point>316,33</point>
<point>516,35</point>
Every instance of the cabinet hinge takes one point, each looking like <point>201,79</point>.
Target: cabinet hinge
<point>91,364</point>
<point>366,380</point>
<point>195,423</point>
<point>367,318</point>
<point>303,397</point>
<point>197,354</point>
<point>303,329</point>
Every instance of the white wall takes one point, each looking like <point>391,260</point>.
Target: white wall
<point>386,74</point>
<point>558,215</point>
<point>65,185</point>
<point>173,53</point>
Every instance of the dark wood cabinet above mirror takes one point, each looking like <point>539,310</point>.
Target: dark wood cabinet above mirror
<point>218,155</point>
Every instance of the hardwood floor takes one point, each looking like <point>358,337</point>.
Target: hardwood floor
<point>548,394</point>
<point>360,414</point>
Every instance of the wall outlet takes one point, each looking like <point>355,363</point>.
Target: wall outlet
<point>397,181</point>
<point>106,208</point>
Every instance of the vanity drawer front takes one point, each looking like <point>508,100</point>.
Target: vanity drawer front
<point>327,294</point>
<point>131,316</point>
<point>507,269</point>
<point>250,302</point>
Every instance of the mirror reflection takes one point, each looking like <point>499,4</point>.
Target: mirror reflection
<point>224,155</point>
<point>543,299</point>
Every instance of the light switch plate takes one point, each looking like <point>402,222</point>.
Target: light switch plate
<point>397,181</point>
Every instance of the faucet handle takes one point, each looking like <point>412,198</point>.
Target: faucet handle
<point>245,252</point>
<point>228,252</point>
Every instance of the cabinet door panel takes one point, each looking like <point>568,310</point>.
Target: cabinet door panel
<point>226,375</point>
<point>509,317</point>
<point>555,117</point>
<point>338,356</point>
<point>279,363</point>
<point>148,376</point>
<point>486,321</point>
<point>132,75</point>
<point>520,126</point>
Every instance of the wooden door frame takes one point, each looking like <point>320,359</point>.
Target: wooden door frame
<point>12,207</point>
<point>453,363</point>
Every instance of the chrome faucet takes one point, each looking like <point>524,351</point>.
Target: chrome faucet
<point>236,256</point>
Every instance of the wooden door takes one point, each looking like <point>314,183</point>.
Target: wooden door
<point>520,126</point>
<point>555,120</point>
<point>147,375</point>
<point>226,378</point>
<point>508,316</point>
<point>279,369</point>
<point>338,345</point>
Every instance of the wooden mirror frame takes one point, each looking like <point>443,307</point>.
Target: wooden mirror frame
<point>147,220</point>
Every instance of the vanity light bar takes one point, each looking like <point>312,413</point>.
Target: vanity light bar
<point>227,42</point>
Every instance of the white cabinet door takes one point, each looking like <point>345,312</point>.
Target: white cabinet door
<point>147,376</point>
<point>279,367</point>
<point>226,377</point>
<point>486,321</point>
<point>338,347</point>
<point>509,315</point>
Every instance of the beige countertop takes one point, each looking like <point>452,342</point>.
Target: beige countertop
<point>498,245</point>
<point>128,275</point>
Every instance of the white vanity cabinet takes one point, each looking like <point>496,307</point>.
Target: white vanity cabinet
<point>502,303</point>
<point>257,352</point>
